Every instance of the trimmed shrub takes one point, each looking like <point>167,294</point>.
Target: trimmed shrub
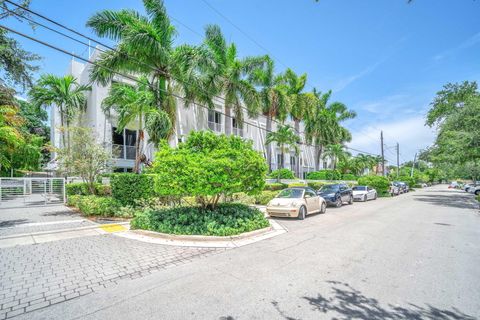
<point>72,200</point>
<point>81,188</point>
<point>296,184</point>
<point>275,186</point>
<point>129,188</point>
<point>349,177</point>
<point>379,183</point>
<point>324,175</point>
<point>265,197</point>
<point>282,174</point>
<point>225,220</point>
<point>95,206</point>
<point>408,180</point>
<point>315,184</point>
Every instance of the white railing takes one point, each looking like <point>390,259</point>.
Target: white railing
<point>215,126</point>
<point>24,192</point>
<point>237,131</point>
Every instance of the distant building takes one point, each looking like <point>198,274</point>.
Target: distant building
<point>193,118</point>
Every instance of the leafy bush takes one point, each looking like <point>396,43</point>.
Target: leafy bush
<point>296,184</point>
<point>265,197</point>
<point>262,198</point>
<point>95,206</point>
<point>408,180</point>
<point>379,183</point>
<point>282,174</point>
<point>129,188</point>
<point>72,200</point>
<point>225,220</point>
<point>315,185</point>
<point>349,177</point>
<point>207,165</point>
<point>81,188</point>
<point>275,186</point>
<point>324,175</point>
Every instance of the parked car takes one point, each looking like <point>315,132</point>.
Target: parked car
<point>475,190</point>
<point>470,187</point>
<point>402,186</point>
<point>364,193</point>
<point>336,194</point>
<point>394,189</point>
<point>296,202</point>
<point>453,185</point>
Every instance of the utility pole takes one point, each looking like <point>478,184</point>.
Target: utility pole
<point>398,160</point>
<point>413,164</point>
<point>383,155</point>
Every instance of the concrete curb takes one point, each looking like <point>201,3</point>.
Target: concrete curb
<point>273,230</point>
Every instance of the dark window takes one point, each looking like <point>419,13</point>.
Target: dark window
<point>117,138</point>
<point>130,137</point>
<point>214,116</point>
<point>279,160</point>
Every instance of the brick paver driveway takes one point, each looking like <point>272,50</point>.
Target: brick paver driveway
<point>36,276</point>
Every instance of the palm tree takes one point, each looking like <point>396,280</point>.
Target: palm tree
<point>299,102</point>
<point>286,139</point>
<point>273,97</point>
<point>231,76</point>
<point>136,106</point>
<point>335,152</point>
<point>322,123</point>
<point>145,47</point>
<point>64,93</point>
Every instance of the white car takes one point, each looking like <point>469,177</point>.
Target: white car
<point>364,193</point>
<point>475,190</point>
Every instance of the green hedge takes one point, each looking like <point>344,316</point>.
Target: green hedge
<point>316,185</point>
<point>379,183</point>
<point>227,219</point>
<point>129,188</point>
<point>275,186</point>
<point>324,175</point>
<point>349,177</point>
<point>81,188</point>
<point>282,174</point>
<point>94,205</point>
<point>408,180</point>
<point>296,184</point>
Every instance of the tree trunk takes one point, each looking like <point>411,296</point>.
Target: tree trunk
<point>297,157</point>
<point>228,120</point>
<point>318,156</point>
<point>62,124</point>
<point>267,146</point>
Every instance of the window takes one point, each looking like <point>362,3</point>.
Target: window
<point>279,160</point>
<point>237,129</point>
<point>325,164</point>
<point>310,193</point>
<point>293,162</point>
<point>214,120</point>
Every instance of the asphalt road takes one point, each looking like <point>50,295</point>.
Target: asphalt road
<point>416,256</point>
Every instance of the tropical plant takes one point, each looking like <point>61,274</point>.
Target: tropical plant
<point>231,76</point>
<point>65,94</point>
<point>335,152</point>
<point>145,47</point>
<point>135,106</point>
<point>286,139</point>
<point>273,98</point>
<point>208,166</point>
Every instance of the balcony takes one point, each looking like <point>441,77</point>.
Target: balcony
<point>123,152</point>
<point>214,126</point>
<point>237,131</point>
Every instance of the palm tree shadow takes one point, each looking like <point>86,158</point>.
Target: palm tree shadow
<point>349,303</point>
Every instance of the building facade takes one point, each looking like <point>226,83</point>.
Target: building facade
<point>194,117</point>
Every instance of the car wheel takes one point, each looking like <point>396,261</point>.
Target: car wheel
<point>323,207</point>
<point>364,198</point>
<point>350,201</point>
<point>477,192</point>
<point>302,213</point>
<point>338,203</point>
<point>375,197</point>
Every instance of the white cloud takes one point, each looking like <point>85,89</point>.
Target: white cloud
<point>470,42</point>
<point>411,134</point>
<point>345,82</point>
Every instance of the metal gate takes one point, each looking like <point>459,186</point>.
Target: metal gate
<point>26,192</point>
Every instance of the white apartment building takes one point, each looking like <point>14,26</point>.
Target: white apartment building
<point>194,117</point>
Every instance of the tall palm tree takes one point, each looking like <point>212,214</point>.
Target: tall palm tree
<point>273,98</point>
<point>62,92</point>
<point>299,102</point>
<point>286,139</point>
<point>231,76</point>
<point>135,106</point>
<point>335,152</point>
<point>323,124</point>
<point>145,47</point>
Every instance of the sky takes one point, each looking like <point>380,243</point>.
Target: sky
<point>385,59</point>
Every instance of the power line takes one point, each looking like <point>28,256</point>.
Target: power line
<point>135,79</point>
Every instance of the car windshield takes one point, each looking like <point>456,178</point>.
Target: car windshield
<point>291,193</point>
<point>359,188</point>
<point>330,188</point>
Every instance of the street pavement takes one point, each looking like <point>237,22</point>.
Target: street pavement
<point>415,256</point>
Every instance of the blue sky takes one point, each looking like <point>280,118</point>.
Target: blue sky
<point>383,58</point>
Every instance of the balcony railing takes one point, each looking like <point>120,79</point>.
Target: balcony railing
<point>237,131</point>
<point>120,151</point>
<point>215,126</point>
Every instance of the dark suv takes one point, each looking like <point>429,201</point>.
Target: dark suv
<point>336,194</point>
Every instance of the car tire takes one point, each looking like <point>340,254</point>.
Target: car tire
<point>375,198</point>
<point>477,192</point>
<point>338,202</point>
<point>302,212</point>
<point>350,201</point>
<point>364,198</point>
<point>323,207</point>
